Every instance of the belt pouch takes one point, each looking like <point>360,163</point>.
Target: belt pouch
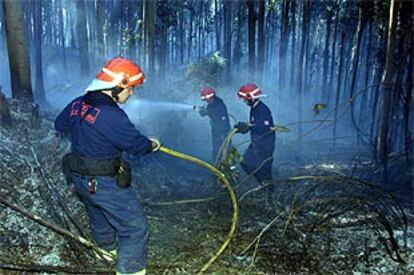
<point>124,176</point>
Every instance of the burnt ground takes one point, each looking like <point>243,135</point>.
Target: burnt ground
<point>328,214</point>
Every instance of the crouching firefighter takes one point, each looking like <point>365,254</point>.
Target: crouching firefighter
<point>99,131</point>
<point>258,157</point>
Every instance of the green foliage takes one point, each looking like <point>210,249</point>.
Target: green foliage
<point>227,166</point>
<point>318,107</point>
<point>207,71</point>
<point>273,4</point>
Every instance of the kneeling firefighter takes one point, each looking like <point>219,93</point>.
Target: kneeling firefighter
<point>99,132</point>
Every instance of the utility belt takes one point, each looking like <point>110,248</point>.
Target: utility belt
<point>74,163</point>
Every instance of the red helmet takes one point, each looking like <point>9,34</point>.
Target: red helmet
<point>249,91</point>
<point>207,93</point>
<point>120,72</point>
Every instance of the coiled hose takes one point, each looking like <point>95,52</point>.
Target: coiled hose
<point>229,189</point>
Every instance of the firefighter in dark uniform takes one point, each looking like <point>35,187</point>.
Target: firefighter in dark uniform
<point>99,131</point>
<point>216,110</point>
<point>259,154</point>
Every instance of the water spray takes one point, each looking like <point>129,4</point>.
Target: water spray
<point>162,105</point>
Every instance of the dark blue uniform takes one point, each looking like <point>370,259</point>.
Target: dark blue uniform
<point>100,130</point>
<point>262,143</point>
<point>219,121</point>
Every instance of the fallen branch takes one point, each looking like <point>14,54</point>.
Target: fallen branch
<point>55,228</point>
<point>52,269</point>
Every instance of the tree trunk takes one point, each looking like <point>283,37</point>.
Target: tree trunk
<point>238,47</point>
<point>368,66</point>
<point>382,144</point>
<point>270,42</point>
<point>326,58</point>
<point>261,40</point>
<point>99,32</point>
<point>227,37</point>
<point>354,71</point>
<point>163,54</point>
<point>217,25</point>
<point>301,64</point>
<point>18,52</point>
<point>283,44</point>
<point>62,38</point>
<point>150,22</point>
<point>408,97</point>
<point>181,31</point>
<point>338,86</point>
<point>5,117</point>
<point>293,48</point>
<point>252,36</point>
<point>82,37</point>
<point>190,32</point>
<point>333,56</point>
<point>39,83</point>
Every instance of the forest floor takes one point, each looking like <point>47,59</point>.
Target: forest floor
<point>329,218</point>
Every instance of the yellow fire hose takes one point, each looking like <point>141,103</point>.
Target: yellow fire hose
<point>104,253</point>
<point>229,189</point>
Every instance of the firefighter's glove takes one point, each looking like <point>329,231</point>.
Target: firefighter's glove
<point>202,111</point>
<point>155,144</point>
<point>242,127</point>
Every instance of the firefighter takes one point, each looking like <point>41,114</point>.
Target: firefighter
<point>216,110</point>
<point>258,157</point>
<point>100,131</point>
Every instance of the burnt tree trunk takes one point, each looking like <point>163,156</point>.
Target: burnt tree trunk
<point>5,117</point>
<point>39,83</point>
<point>293,47</point>
<point>354,71</point>
<point>301,65</point>
<point>338,87</point>
<point>82,37</point>
<point>382,145</point>
<point>237,55</point>
<point>261,40</point>
<point>217,25</point>
<point>251,36</point>
<point>17,49</point>
<point>283,45</point>
<point>325,90</point>
<point>100,32</point>
<point>227,37</point>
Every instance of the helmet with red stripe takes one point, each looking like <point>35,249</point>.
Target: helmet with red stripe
<point>249,92</point>
<point>206,93</point>
<point>117,72</point>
